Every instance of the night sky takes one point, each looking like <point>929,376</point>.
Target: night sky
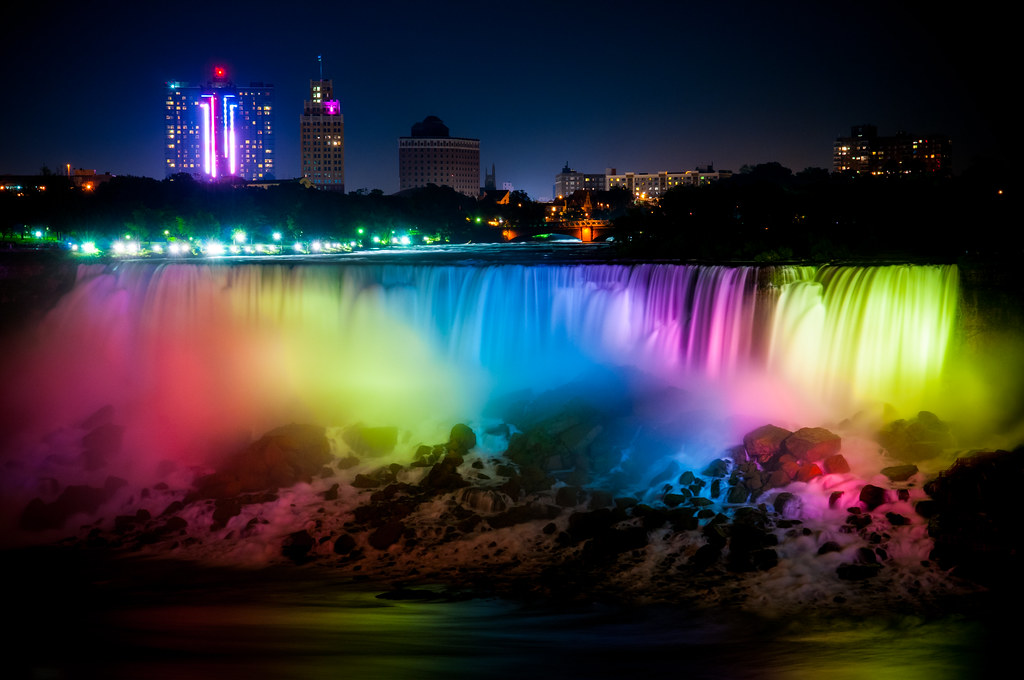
<point>635,86</point>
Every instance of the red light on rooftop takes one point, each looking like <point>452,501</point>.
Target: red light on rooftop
<point>219,71</point>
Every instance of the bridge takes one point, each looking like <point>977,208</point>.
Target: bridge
<point>586,230</point>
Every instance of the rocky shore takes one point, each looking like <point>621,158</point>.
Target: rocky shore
<point>782,520</point>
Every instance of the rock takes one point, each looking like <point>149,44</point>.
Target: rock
<point>920,438</point>
<point>765,442</point>
<point>812,444</point>
<point>386,535</point>
<point>737,494</point>
<point>787,504</point>
<point>829,547</point>
<point>857,572</point>
<point>569,496</point>
<point>461,439</point>
<point>808,472</point>
<point>600,499</point>
<point>900,473</point>
<point>279,459</point>
<point>975,517</point>
<point>296,546</point>
<point>872,496</point>
<point>896,519</point>
<point>836,465</point>
<point>344,544</point>
<point>79,498</point>
<point>716,468</point>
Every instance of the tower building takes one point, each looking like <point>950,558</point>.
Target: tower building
<point>322,135</point>
<point>432,156</point>
<point>218,130</point>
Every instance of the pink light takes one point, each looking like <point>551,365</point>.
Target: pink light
<point>332,107</point>
<point>210,135</point>
<point>233,148</point>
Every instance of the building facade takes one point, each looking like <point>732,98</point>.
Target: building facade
<point>864,152</point>
<point>431,156</point>
<point>651,185</point>
<point>569,182</point>
<point>322,137</point>
<point>217,130</point>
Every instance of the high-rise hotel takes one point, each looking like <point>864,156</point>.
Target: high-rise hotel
<point>432,156</point>
<point>219,130</point>
<point>322,132</point>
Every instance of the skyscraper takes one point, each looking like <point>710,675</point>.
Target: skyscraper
<point>432,156</point>
<point>322,135</point>
<point>218,130</point>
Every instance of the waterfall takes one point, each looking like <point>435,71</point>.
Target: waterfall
<point>192,355</point>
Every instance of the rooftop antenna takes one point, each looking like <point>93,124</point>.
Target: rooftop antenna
<point>320,59</point>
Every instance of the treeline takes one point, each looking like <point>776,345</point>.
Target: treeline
<point>182,208</point>
<point>768,213</point>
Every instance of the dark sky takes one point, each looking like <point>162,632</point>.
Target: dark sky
<point>636,86</point>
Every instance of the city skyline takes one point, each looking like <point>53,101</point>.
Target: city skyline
<point>598,87</point>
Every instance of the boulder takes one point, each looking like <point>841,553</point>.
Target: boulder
<point>279,459</point>
<point>812,444</point>
<point>765,442</point>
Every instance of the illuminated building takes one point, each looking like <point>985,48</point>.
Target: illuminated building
<point>569,182</point>
<point>646,185</point>
<point>865,153</point>
<point>431,156</point>
<point>322,132</point>
<point>219,130</point>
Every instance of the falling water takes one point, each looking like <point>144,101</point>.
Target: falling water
<point>195,358</point>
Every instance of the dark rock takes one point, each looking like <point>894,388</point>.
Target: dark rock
<point>764,559</point>
<point>896,519</point>
<point>836,465</point>
<point>900,473</point>
<point>444,476</point>
<point>705,556</point>
<point>737,494</point>
<point>461,439</point>
<point>872,496</point>
<point>829,547</point>
<point>765,442</point>
<point>834,498</point>
<point>808,472</point>
<point>859,521</point>
<point>716,468</point>
<point>600,499</point>
<point>332,493</point>
<point>919,438</point>
<point>687,478</point>
<point>40,516</point>
<point>812,444</point>
<point>280,458</point>
<point>344,544</point>
<point>569,496</point>
<point>787,504</point>
<point>857,572</point>
<point>296,546</point>
<point>386,535</point>
<point>975,518</point>
<point>674,499</point>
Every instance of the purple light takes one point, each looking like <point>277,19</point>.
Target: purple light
<point>210,135</point>
<point>332,107</point>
